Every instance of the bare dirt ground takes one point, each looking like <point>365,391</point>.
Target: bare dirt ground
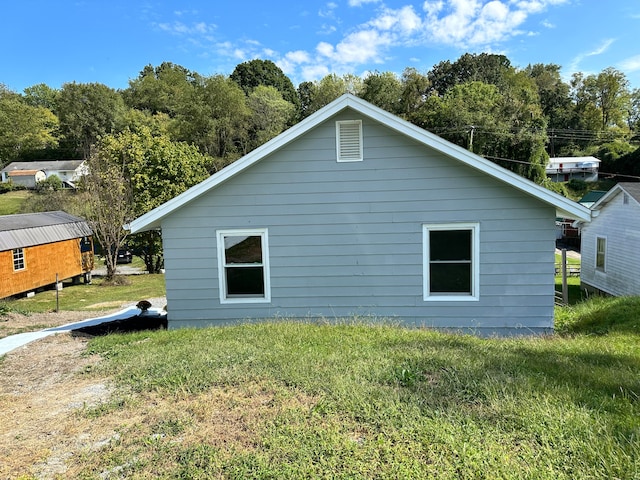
<point>42,390</point>
<point>41,386</point>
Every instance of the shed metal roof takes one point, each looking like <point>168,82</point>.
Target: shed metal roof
<point>30,229</point>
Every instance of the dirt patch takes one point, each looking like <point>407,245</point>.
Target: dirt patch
<point>41,386</point>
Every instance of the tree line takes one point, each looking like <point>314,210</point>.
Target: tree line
<point>172,127</point>
<point>481,102</point>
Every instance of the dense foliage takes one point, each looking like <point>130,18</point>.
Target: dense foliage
<point>172,127</point>
<point>515,117</point>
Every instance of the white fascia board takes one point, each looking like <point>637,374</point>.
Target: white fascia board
<point>607,197</point>
<point>152,219</point>
<point>564,206</point>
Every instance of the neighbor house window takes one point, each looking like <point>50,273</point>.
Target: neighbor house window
<point>349,140</point>
<point>601,253</point>
<point>18,259</point>
<point>243,263</point>
<point>451,258</point>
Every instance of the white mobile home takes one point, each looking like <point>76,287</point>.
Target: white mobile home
<point>354,211</point>
<point>563,169</point>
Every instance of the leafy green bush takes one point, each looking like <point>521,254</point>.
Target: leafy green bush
<point>10,187</point>
<point>53,183</point>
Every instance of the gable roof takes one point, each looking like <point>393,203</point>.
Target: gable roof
<point>45,165</point>
<point>29,229</point>
<point>630,188</point>
<point>564,207</point>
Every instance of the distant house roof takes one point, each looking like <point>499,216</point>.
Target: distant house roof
<point>45,165</point>
<point>29,229</point>
<point>591,161</point>
<point>564,207</point>
<point>591,197</point>
<point>630,188</point>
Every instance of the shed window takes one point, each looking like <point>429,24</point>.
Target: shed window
<point>349,140</point>
<point>451,253</point>
<point>601,253</point>
<point>243,263</point>
<point>18,259</point>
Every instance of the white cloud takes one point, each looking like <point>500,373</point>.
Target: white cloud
<point>631,64</point>
<point>477,23</point>
<point>574,66</point>
<point>179,28</point>
<point>358,3</point>
<point>314,72</point>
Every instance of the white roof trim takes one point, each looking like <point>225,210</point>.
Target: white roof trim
<point>564,207</point>
<point>610,195</point>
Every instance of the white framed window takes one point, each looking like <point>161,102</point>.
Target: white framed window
<point>243,266</point>
<point>18,259</point>
<point>601,253</point>
<point>451,253</point>
<point>349,140</point>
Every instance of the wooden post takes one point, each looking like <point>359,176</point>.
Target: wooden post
<point>565,287</point>
<point>57,295</point>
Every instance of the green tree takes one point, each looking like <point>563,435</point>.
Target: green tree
<point>270,114</point>
<point>215,119</point>
<point>42,95</point>
<point>329,88</point>
<point>415,90</point>
<point>166,89</point>
<point>155,170</point>
<point>88,111</point>
<point>485,67</point>
<point>306,93</point>
<point>23,127</point>
<point>254,73</point>
<point>384,90</point>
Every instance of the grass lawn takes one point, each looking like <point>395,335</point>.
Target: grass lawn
<point>11,202</point>
<point>296,400</point>
<point>93,297</point>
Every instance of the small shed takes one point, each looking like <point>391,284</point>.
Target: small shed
<point>26,178</point>
<point>354,212</point>
<point>610,248</point>
<point>37,248</point>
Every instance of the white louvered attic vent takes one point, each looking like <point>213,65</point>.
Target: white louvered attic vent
<point>349,140</point>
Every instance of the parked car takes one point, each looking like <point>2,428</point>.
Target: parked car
<point>124,256</point>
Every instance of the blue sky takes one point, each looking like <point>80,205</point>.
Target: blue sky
<point>58,41</point>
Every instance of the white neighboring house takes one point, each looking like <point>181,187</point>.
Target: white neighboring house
<point>563,169</point>
<point>29,173</point>
<point>611,243</point>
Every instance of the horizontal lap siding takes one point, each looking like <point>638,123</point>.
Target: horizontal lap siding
<point>346,238</point>
<point>620,225</point>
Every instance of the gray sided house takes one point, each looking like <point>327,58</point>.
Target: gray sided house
<point>354,211</point>
<point>28,174</point>
<point>611,243</point>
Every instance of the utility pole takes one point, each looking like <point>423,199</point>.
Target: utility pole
<point>473,127</point>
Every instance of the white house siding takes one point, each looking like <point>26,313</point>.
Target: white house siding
<point>346,238</point>
<point>620,225</point>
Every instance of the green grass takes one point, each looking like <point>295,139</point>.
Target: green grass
<point>302,400</point>
<point>93,297</point>
<point>11,202</point>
